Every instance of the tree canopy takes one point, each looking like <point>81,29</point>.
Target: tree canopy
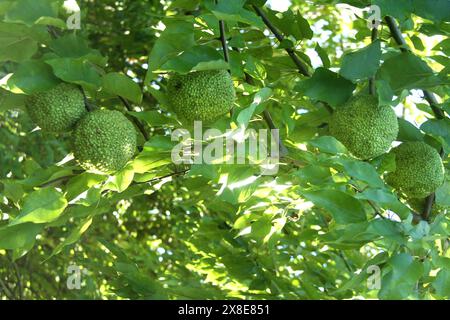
<point>324,225</point>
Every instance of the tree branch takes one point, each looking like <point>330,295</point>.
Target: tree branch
<point>268,118</point>
<point>223,40</point>
<point>372,89</point>
<point>302,67</point>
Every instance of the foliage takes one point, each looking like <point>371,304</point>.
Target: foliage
<point>159,230</point>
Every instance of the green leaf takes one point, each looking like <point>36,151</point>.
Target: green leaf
<point>29,11</point>
<point>443,46</point>
<point>440,129</point>
<point>384,92</point>
<point>9,100</point>
<point>328,144</point>
<point>323,56</point>
<point>73,46</point>
<point>435,10</point>
<point>16,43</point>
<point>408,131</point>
<point>362,64</point>
<point>81,183</point>
<point>41,206</point>
<point>400,282</point>
<point>291,24</point>
<point>31,77</point>
<point>362,171</point>
<point>233,11</point>
<point>388,229</point>
<point>442,193</point>
<point>198,58</point>
<point>255,68</point>
<point>121,85</point>
<point>176,38</point>
<point>260,97</point>
<point>122,179</point>
<point>407,71</point>
<point>327,86</point>
<point>441,283</point>
<point>343,207</point>
<point>398,9</point>
<point>74,235</point>
<point>78,71</point>
<point>418,45</point>
<point>386,200</point>
<point>19,236</point>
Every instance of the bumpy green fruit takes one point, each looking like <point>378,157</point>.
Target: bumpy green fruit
<point>104,141</point>
<point>202,95</point>
<point>366,129</point>
<point>419,170</point>
<point>58,109</point>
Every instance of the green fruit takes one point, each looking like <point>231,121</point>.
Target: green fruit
<point>202,95</point>
<point>419,170</point>
<point>366,129</point>
<point>58,109</point>
<point>104,141</point>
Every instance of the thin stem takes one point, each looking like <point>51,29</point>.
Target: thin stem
<point>60,179</point>
<point>87,104</point>
<point>223,40</point>
<point>268,118</point>
<point>372,89</point>
<point>302,67</point>
<point>396,33</point>
<point>428,206</point>
<point>136,121</point>
<point>431,99</point>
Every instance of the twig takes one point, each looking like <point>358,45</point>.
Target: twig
<point>223,40</point>
<point>428,206</point>
<point>60,179</point>
<point>136,121</point>
<point>53,32</point>
<point>431,99</point>
<point>347,265</point>
<point>372,89</point>
<point>400,40</point>
<point>302,67</point>
<point>268,118</point>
